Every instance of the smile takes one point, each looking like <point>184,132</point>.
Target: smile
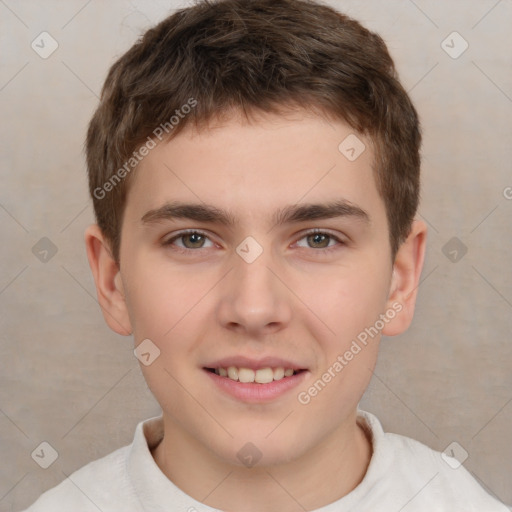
<point>259,376</point>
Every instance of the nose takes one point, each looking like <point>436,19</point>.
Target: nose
<point>254,300</point>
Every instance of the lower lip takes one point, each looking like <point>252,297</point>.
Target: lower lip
<point>254,392</point>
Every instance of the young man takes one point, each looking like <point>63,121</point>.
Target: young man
<point>254,168</point>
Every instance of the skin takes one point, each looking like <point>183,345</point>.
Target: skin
<point>297,300</point>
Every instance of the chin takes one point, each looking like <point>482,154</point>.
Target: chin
<point>257,449</point>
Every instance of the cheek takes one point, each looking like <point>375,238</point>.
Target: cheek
<point>350,304</point>
<point>160,298</point>
<point>166,308</point>
<point>348,300</point>
<point>172,309</point>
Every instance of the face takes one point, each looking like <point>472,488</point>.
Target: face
<point>257,246</point>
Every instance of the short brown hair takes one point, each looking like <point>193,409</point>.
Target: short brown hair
<point>254,55</point>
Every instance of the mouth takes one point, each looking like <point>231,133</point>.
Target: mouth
<point>264,375</point>
<point>261,384</point>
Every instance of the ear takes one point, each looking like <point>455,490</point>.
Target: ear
<point>405,279</point>
<point>109,287</point>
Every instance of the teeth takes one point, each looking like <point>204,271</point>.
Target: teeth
<point>278,373</point>
<point>233,373</point>
<point>260,376</point>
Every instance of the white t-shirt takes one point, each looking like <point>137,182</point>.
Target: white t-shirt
<point>404,475</point>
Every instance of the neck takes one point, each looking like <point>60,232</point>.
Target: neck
<point>321,476</point>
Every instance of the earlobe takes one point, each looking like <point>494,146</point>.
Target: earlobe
<point>107,277</point>
<point>405,279</point>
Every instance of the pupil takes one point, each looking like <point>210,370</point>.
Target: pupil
<point>195,239</point>
<point>319,239</point>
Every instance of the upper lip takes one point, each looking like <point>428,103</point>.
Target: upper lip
<point>254,364</point>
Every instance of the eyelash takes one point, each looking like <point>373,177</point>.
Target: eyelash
<point>316,231</point>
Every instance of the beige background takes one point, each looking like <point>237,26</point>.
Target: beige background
<point>68,380</point>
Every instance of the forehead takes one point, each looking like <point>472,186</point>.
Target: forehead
<point>253,168</point>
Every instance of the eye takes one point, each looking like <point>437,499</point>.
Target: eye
<point>189,240</point>
<point>317,239</point>
<point>193,239</point>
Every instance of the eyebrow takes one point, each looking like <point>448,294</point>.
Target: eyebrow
<point>289,214</point>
